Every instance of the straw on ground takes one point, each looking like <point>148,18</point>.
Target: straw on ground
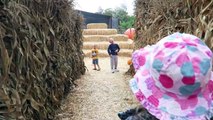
<point>100,95</point>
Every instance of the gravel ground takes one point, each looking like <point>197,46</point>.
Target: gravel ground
<point>100,95</point>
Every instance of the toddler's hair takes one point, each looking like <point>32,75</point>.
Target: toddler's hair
<point>138,113</point>
<point>141,114</point>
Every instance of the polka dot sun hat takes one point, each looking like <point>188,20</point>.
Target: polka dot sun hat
<point>173,79</point>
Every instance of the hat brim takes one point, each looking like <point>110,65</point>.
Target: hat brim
<point>166,105</point>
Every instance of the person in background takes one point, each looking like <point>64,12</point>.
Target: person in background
<point>95,58</point>
<point>113,50</point>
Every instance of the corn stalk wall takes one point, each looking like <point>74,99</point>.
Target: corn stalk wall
<point>41,56</point>
<point>156,19</point>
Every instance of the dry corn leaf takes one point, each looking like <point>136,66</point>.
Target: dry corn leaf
<point>41,59</point>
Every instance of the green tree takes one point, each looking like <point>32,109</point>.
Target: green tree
<point>129,23</point>
<point>121,12</point>
<point>109,11</point>
<point>126,21</point>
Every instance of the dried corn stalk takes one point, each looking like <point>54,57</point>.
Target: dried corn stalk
<point>41,56</point>
<point>156,19</point>
<point>159,18</point>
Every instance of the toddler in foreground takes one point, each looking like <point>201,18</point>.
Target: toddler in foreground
<point>173,79</point>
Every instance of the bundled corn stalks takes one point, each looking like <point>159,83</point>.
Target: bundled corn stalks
<point>158,18</point>
<point>41,56</point>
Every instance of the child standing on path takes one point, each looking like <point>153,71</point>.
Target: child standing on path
<point>113,50</point>
<point>95,58</point>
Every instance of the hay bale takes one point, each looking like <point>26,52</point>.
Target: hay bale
<point>119,37</point>
<point>99,31</point>
<point>103,53</point>
<point>93,38</point>
<point>41,56</point>
<point>104,45</point>
<point>97,26</point>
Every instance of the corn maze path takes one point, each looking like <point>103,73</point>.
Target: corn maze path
<point>100,95</point>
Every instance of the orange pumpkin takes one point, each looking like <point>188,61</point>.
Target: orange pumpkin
<point>129,62</point>
<point>130,33</point>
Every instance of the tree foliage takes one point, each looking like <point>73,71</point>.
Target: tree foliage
<point>109,11</point>
<point>126,21</point>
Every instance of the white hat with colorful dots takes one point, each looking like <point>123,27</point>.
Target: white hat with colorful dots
<point>173,79</point>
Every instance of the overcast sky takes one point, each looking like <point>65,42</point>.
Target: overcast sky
<point>93,5</point>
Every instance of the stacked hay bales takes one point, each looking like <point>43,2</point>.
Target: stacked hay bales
<point>100,31</point>
<point>104,45</point>
<point>41,56</point>
<point>99,34</point>
<point>156,19</point>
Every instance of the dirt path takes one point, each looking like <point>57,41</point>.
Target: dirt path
<point>100,95</point>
